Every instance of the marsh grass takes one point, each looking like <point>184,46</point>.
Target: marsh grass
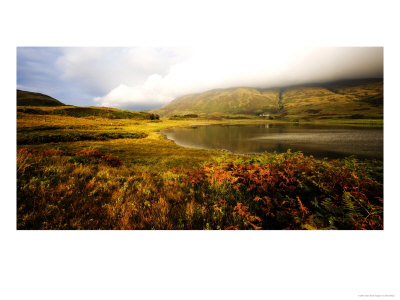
<point>73,136</point>
<point>151,183</point>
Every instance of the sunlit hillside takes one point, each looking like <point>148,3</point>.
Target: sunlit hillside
<point>350,99</point>
<point>81,112</point>
<point>245,101</point>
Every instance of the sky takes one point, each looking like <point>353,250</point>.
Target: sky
<point>141,78</point>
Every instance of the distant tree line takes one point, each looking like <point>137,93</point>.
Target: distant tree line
<point>184,116</point>
<point>154,117</point>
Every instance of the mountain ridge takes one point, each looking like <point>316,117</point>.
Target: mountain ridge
<point>362,98</point>
<point>26,98</point>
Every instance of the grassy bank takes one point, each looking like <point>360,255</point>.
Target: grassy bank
<point>126,181</point>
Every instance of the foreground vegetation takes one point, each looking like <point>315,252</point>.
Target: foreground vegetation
<point>102,173</point>
<point>93,190</point>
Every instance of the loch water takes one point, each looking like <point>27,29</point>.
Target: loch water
<point>331,141</point>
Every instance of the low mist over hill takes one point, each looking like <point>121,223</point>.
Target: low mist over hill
<point>356,99</point>
<point>25,98</point>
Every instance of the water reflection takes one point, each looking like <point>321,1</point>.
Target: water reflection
<point>320,141</point>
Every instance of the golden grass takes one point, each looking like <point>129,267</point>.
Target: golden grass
<point>152,183</point>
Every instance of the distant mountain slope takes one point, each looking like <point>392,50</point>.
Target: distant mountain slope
<point>51,106</point>
<point>350,99</point>
<point>227,101</point>
<point>25,98</point>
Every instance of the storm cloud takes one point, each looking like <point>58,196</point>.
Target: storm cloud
<point>141,78</point>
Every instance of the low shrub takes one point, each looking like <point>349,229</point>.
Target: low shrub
<point>89,189</point>
<point>74,136</point>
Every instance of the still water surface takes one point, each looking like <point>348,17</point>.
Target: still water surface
<point>318,140</point>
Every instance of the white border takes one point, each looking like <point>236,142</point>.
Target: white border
<point>198,265</point>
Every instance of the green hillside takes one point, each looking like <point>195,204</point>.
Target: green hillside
<point>356,99</point>
<point>226,101</point>
<point>46,105</point>
<point>25,98</point>
<point>84,112</point>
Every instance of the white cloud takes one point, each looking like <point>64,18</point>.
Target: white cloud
<point>150,93</point>
<point>99,70</point>
<point>204,69</point>
<point>149,77</point>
